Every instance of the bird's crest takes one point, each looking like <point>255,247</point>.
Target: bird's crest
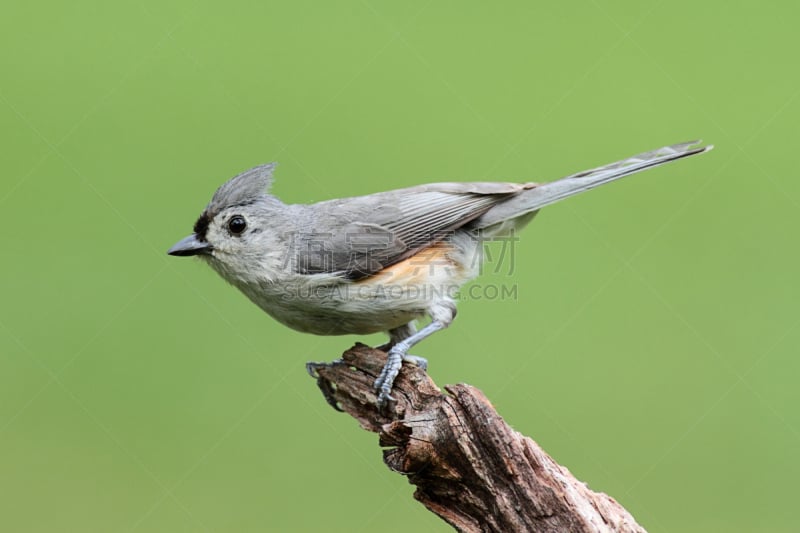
<point>245,188</point>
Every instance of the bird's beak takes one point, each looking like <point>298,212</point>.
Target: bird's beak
<point>190,246</point>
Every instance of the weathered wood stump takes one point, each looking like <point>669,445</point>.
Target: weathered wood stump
<point>468,465</point>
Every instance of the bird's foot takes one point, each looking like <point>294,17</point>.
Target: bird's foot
<point>384,382</point>
<point>396,355</point>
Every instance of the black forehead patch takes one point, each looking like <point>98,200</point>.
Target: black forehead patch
<point>201,226</point>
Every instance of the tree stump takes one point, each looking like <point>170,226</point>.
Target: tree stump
<point>469,466</point>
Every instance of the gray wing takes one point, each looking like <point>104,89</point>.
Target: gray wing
<point>357,237</point>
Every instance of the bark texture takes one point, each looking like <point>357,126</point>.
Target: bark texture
<point>468,465</point>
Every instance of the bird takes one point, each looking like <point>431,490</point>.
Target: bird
<point>378,262</point>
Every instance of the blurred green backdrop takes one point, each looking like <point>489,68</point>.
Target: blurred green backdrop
<point>652,346</point>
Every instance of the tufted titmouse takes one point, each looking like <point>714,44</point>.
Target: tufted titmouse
<point>377,262</point>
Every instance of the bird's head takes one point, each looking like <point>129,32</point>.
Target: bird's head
<point>230,232</point>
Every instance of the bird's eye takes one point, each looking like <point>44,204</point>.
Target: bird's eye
<point>236,225</point>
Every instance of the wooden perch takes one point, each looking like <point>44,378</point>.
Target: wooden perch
<point>468,465</point>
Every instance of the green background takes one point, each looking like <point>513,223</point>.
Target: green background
<point>652,348</point>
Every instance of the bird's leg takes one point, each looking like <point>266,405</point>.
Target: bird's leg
<point>397,354</point>
<point>442,316</point>
<point>399,334</point>
<point>396,335</point>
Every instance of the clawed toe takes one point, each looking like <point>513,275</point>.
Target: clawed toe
<point>421,362</point>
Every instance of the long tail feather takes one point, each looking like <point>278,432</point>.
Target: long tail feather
<point>554,191</point>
